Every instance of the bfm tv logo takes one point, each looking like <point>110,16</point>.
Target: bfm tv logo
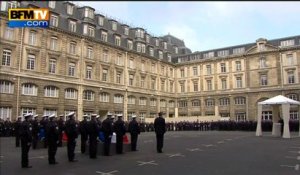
<point>30,17</point>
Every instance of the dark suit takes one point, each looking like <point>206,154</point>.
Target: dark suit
<point>17,132</point>
<point>26,139</point>
<point>93,130</point>
<point>83,128</point>
<point>120,130</point>
<point>52,135</point>
<point>72,134</point>
<point>160,129</point>
<point>107,127</point>
<point>134,130</point>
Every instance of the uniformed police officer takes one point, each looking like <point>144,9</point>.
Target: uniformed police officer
<point>26,139</point>
<point>134,131</point>
<point>43,125</point>
<point>83,128</point>
<point>61,128</point>
<point>72,134</point>
<point>52,134</point>
<point>120,130</point>
<point>35,131</point>
<point>93,129</point>
<point>160,129</point>
<point>107,128</point>
<point>18,124</point>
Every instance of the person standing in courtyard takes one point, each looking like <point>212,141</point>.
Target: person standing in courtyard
<point>120,130</point>
<point>18,124</point>
<point>72,134</point>
<point>134,131</point>
<point>107,128</point>
<point>83,128</point>
<point>160,129</point>
<point>93,131</point>
<point>52,134</point>
<point>26,139</point>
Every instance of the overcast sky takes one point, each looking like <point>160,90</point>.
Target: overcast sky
<point>208,25</point>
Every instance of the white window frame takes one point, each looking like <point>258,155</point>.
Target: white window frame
<point>89,72</point>
<point>131,100</point>
<point>6,57</point>
<point>88,95</point>
<point>118,98</point>
<point>5,113</point>
<point>104,36</point>
<point>54,20</point>
<point>29,89</point>
<point>104,97</point>
<point>9,33</point>
<point>104,75</point>
<point>72,26</point>
<point>71,69</point>
<point>117,41</point>
<point>53,43</point>
<point>32,38</point>
<point>31,62</point>
<point>27,111</point>
<point>70,9</point>
<point>52,66</point>
<point>129,44</point>
<point>70,93</point>
<point>89,53</point>
<point>6,87</point>
<point>51,91</point>
<point>52,4</point>
<point>72,48</point>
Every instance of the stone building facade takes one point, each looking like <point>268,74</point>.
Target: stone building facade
<point>88,63</point>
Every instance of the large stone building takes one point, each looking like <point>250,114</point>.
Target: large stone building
<point>89,63</point>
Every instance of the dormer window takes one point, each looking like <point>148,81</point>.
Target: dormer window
<point>114,25</point>
<point>143,48</point>
<point>126,31</point>
<point>138,47</point>
<point>104,36</point>
<point>169,57</point>
<point>147,39</point>
<point>5,5</point>
<point>223,53</point>
<point>117,40</point>
<point>176,49</point>
<point>165,45</point>
<point>89,30</point>
<point>160,54</point>
<point>287,43</point>
<point>139,33</point>
<point>52,4</point>
<point>101,20</point>
<point>72,26</point>
<point>151,51</point>
<point>70,9</point>
<point>88,13</point>
<point>157,42</point>
<point>54,20</point>
<point>129,44</point>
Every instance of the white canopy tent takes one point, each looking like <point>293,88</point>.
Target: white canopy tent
<point>276,102</point>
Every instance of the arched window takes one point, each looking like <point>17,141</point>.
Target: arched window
<point>6,87</point>
<point>209,102</point>
<point>224,101</point>
<point>118,98</point>
<point>196,103</point>
<point>240,100</point>
<point>29,89</point>
<point>152,102</point>
<point>143,101</point>
<point>70,93</point>
<point>104,97</point>
<point>88,95</point>
<point>163,103</point>
<point>131,100</point>
<point>51,91</point>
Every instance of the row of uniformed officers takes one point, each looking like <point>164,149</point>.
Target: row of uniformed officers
<point>51,132</point>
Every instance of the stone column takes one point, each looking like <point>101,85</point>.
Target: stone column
<point>258,128</point>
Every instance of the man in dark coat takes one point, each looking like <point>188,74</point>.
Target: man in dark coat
<point>52,134</point>
<point>93,130</point>
<point>43,124</point>
<point>72,134</point>
<point>83,128</point>
<point>160,129</point>
<point>134,131</point>
<point>61,128</point>
<point>120,130</point>
<point>35,131</point>
<point>26,139</point>
<point>18,124</point>
<point>107,128</point>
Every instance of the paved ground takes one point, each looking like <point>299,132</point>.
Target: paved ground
<point>188,153</point>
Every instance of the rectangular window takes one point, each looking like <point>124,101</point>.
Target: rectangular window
<point>32,38</point>
<point>195,103</point>
<point>165,45</point>
<point>143,48</point>
<point>29,89</point>
<point>90,52</point>
<point>5,113</point>
<point>223,53</point>
<point>104,74</point>
<point>239,83</point>
<point>70,9</point>
<point>160,55</point>
<point>119,60</point>
<point>208,69</point>
<point>9,33</point>
<point>88,13</point>
<point>147,39</point>
<point>196,86</point>
<point>6,57</point>
<point>195,71</point>
<point>240,101</point>
<point>263,80</point>
<point>105,56</point>
<point>262,62</point>
<point>101,20</point>
<point>126,31</point>
<point>118,77</point>
<point>267,115</point>
<point>209,85</point>
<point>153,83</point>
<point>151,51</point>
<point>51,91</point>
<point>117,41</point>
<point>5,5</point>
<point>52,4</point>
<point>223,68</point>
<point>104,36</point>
<point>290,59</point>
<point>54,20</point>
<point>138,47</point>
<point>157,43</point>
<point>240,117</point>
<point>130,80</point>
<point>238,66</point>
<point>53,43</point>
<point>129,44</point>
<point>291,77</point>
<point>88,95</point>
<point>72,26</point>
<point>181,73</point>
<point>182,85</point>
<point>28,110</point>
<point>104,97</point>
<point>152,102</point>
<point>50,112</point>
<point>224,84</point>
<point>294,115</point>
<point>71,69</point>
<point>142,82</point>
<point>238,50</point>
<point>176,49</point>
<point>143,101</point>
<point>143,67</point>
<point>182,104</point>
<point>287,43</point>
<point>30,62</point>
<point>114,26</point>
<point>89,70</point>
<point>91,31</point>
<point>52,66</point>
<point>131,64</point>
<point>118,99</point>
<point>72,48</point>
